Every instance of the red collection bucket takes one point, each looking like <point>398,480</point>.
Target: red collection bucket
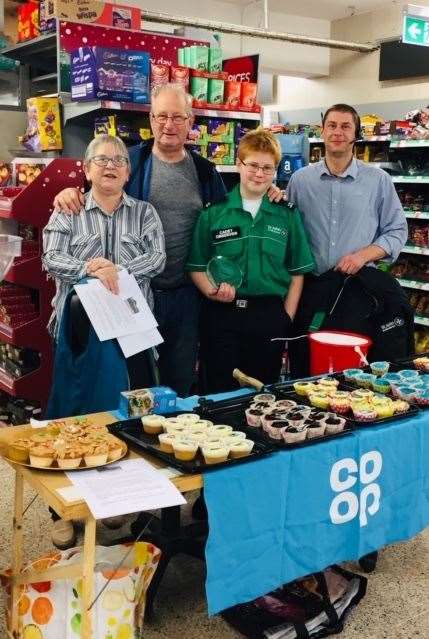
<point>335,350</point>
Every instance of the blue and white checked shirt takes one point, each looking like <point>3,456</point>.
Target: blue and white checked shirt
<point>346,213</point>
<point>131,237</point>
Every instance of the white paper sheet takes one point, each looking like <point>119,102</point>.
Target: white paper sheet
<point>132,344</point>
<point>116,315</point>
<point>70,494</point>
<point>129,486</point>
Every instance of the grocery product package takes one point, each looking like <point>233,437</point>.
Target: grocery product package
<point>53,609</point>
<point>44,125</point>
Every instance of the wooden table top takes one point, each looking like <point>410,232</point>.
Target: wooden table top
<point>47,482</point>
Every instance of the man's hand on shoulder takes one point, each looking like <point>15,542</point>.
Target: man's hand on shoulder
<point>275,194</point>
<point>69,201</point>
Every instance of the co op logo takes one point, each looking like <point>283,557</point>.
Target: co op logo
<point>348,504</point>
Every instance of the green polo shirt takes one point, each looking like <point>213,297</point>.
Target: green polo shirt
<point>269,249</point>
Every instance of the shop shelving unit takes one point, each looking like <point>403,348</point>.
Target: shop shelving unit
<point>33,205</point>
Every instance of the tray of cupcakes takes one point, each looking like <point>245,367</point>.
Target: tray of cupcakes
<point>394,381</point>
<point>61,446</point>
<point>281,417</point>
<point>188,442</point>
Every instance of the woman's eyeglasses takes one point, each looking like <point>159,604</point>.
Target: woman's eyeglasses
<point>116,160</point>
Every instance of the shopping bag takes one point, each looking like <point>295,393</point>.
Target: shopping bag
<point>315,607</point>
<point>53,609</point>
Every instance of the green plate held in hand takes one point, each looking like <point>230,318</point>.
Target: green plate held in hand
<point>222,269</point>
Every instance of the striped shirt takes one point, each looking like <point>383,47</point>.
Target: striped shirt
<point>131,237</point>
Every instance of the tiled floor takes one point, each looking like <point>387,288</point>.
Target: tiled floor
<point>396,605</point>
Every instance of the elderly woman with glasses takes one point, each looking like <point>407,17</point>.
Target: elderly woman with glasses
<point>112,230</point>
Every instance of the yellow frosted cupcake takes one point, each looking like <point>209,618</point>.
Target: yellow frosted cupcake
<point>185,449</point>
<point>241,448</point>
<point>214,454</point>
<point>320,400</point>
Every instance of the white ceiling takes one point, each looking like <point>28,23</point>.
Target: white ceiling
<point>322,9</point>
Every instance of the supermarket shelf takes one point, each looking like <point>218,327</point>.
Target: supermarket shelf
<point>26,273</point>
<point>399,144</point>
<point>417,215</point>
<point>420,286</point>
<point>29,334</point>
<point>40,51</point>
<point>17,386</point>
<point>411,179</point>
<point>418,250</point>
<point>226,168</point>
<point>46,77</point>
<point>423,321</point>
<point>77,109</point>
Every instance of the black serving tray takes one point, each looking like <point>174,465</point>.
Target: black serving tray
<point>232,412</point>
<point>131,431</point>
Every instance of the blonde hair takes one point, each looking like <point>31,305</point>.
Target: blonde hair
<point>117,144</point>
<point>173,87</point>
<point>259,141</point>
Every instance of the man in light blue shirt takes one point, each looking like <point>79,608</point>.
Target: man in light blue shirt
<point>350,209</point>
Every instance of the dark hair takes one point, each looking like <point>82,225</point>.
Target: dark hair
<point>345,108</point>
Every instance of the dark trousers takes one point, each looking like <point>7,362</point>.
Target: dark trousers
<point>177,312</point>
<point>237,335</point>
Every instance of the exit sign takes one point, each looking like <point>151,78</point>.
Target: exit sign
<point>415,31</point>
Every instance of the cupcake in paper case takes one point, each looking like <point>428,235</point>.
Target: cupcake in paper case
<point>317,415</point>
<point>276,428</point>
<point>407,393</point>
<point>262,405</point>
<point>215,454</point>
<point>185,449</point>
<point>383,407</point>
<point>300,408</point>
<point>153,424</point>
<point>303,388</point>
<point>253,417</point>
<point>292,435</point>
<point>365,380</point>
<point>350,374</point>
<point>188,417</point>
<point>319,400</point>
<point>96,454</point>
<point>381,385</point>
<point>241,448</point>
<point>42,455</point>
<point>272,416</point>
<point>297,419</point>
<point>178,429</point>
<point>340,405</point>
<point>422,364</point>
<point>422,398</point>
<point>19,450</point>
<point>408,374</point>
<point>364,413</point>
<point>235,436</point>
<point>314,428</point>
<point>284,404</point>
<point>166,441</point>
<point>221,430</point>
<point>265,397</point>
<point>361,394</point>
<point>328,382</point>
<point>380,368</point>
<point>69,457</point>
<point>334,424</point>
<point>400,406</point>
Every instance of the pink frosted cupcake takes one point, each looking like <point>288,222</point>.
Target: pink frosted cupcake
<point>364,414</point>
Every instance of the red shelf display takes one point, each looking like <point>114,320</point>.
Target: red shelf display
<point>33,205</point>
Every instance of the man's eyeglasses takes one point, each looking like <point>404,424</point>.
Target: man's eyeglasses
<point>116,160</point>
<point>162,118</point>
<point>253,167</point>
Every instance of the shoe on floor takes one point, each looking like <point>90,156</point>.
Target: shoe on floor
<point>63,534</point>
<point>114,522</point>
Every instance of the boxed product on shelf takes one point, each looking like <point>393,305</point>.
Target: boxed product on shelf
<point>201,149</point>
<point>248,95</point>
<point>105,125</point>
<point>215,59</point>
<point>47,19</point>
<point>26,172</point>
<point>199,90</point>
<point>159,74</point>
<point>198,57</point>
<point>180,75</point>
<point>418,234</point>
<point>114,74</point>
<point>420,302</point>
<point>28,21</point>
<point>221,153</point>
<point>220,130</point>
<point>198,134</point>
<point>240,131</point>
<point>232,94</point>
<point>215,91</point>
<point>5,173</point>
<point>44,125</point>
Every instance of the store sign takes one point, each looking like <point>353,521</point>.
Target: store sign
<point>95,12</point>
<point>415,30</point>
<point>243,69</point>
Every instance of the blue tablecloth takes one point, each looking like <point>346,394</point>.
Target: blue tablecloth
<point>296,512</point>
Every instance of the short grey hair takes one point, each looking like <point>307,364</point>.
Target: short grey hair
<point>173,87</point>
<point>117,144</point>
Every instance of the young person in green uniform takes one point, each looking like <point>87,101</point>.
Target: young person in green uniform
<point>268,243</point>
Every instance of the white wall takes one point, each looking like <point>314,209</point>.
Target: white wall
<point>277,57</point>
<point>353,76</point>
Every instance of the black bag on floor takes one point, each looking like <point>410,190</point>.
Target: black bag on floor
<point>315,607</point>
